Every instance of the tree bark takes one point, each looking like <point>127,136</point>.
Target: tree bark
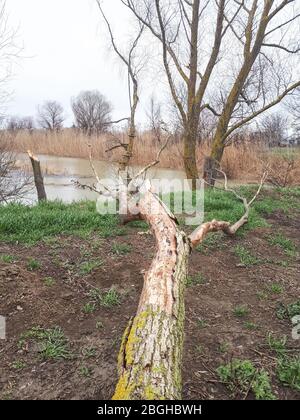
<point>38,177</point>
<point>150,358</point>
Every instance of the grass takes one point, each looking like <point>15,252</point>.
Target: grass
<point>53,343</point>
<point>196,280</point>
<point>276,288</point>
<point>201,323</point>
<point>8,259</point>
<point>246,258</point>
<point>49,281</point>
<point>87,267</point>
<point>277,344</point>
<point>107,299</point>
<point>18,365</point>
<point>241,376</point>
<point>240,311</point>
<point>33,264</point>
<point>212,242</point>
<point>288,372</point>
<point>288,311</point>
<point>29,225</point>
<point>89,308</point>
<point>85,371</point>
<point>121,249</point>
<point>287,245</point>
<point>251,326</point>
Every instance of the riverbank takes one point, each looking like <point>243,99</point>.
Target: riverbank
<point>240,162</point>
<point>70,280</point>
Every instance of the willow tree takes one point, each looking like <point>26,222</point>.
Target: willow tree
<point>230,58</point>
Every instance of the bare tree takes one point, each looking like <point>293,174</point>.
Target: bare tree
<point>51,116</point>
<point>236,45</point>
<point>15,124</point>
<point>274,129</point>
<point>92,112</point>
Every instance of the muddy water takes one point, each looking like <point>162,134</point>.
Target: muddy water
<point>59,172</point>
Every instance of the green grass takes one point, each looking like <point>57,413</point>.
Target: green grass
<point>49,281</point>
<point>87,267</point>
<point>85,371</point>
<point>201,323</point>
<point>28,225</point>
<point>89,308</point>
<point>251,326</point>
<point>287,245</point>
<point>8,259</point>
<point>53,343</point>
<point>107,299</point>
<point>276,288</point>
<point>196,280</point>
<point>212,242</point>
<point>288,311</point>
<point>277,344</point>
<point>240,311</point>
<point>288,372</point>
<point>18,365</point>
<point>121,249</point>
<point>240,376</point>
<point>33,264</point>
<point>245,257</point>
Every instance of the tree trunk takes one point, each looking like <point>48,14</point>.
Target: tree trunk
<point>189,158</point>
<point>38,177</point>
<point>150,358</point>
<point>212,162</point>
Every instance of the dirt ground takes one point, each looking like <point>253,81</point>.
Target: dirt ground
<point>56,293</point>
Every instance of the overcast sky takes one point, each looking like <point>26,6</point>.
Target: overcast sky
<point>67,52</point>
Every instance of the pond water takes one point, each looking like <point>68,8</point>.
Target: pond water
<point>59,172</point>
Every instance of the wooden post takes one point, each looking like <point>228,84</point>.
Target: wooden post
<point>38,177</point>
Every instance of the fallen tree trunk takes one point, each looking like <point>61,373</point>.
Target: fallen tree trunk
<point>150,358</point>
<point>38,177</point>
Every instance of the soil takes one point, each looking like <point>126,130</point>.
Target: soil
<point>213,334</point>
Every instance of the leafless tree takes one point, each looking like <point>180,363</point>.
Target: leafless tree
<point>274,129</point>
<point>92,112</point>
<point>241,47</point>
<point>51,116</point>
<point>15,124</point>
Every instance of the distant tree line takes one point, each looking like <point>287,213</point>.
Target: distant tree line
<point>92,115</point>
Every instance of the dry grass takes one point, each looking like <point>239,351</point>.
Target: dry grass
<point>244,162</point>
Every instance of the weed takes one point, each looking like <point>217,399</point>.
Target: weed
<point>88,267</point>
<point>224,347</point>
<point>89,352</point>
<point>196,280</point>
<point>240,311</point>
<point>18,365</point>
<point>246,258</point>
<point>33,264</point>
<point>89,308</point>
<point>288,311</point>
<point>251,326</point>
<point>284,243</point>
<point>276,288</point>
<point>121,249</point>
<point>54,344</point>
<point>8,259</point>
<point>242,376</point>
<point>48,281</point>
<point>277,344</point>
<point>99,325</point>
<point>110,298</point>
<point>288,372</point>
<point>85,371</point>
<point>201,323</point>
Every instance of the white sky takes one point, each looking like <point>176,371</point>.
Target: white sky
<point>67,52</point>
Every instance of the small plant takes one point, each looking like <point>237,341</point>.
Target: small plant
<point>18,365</point>
<point>33,264</point>
<point>240,311</point>
<point>211,242</point>
<point>224,347</point>
<point>89,308</point>
<point>110,298</point>
<point>48,281</point>
<point>196,280</point>
<point>88,267</point>
<point>288,311</point>
<point>8,259</point>
<point>276,288</point>
<point>246,258</point>
<point>89,352</point>
<point>277,344</point>
<point>251,326</point>
<point>284,243</point>
<point>85,371</point>
<point>99,325</point>
<point>201,323</point>
<point>121,249</point>
<point>262,295</point>
<point>53,343</point>
<point>240,376</point>
<point>288,372</point>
